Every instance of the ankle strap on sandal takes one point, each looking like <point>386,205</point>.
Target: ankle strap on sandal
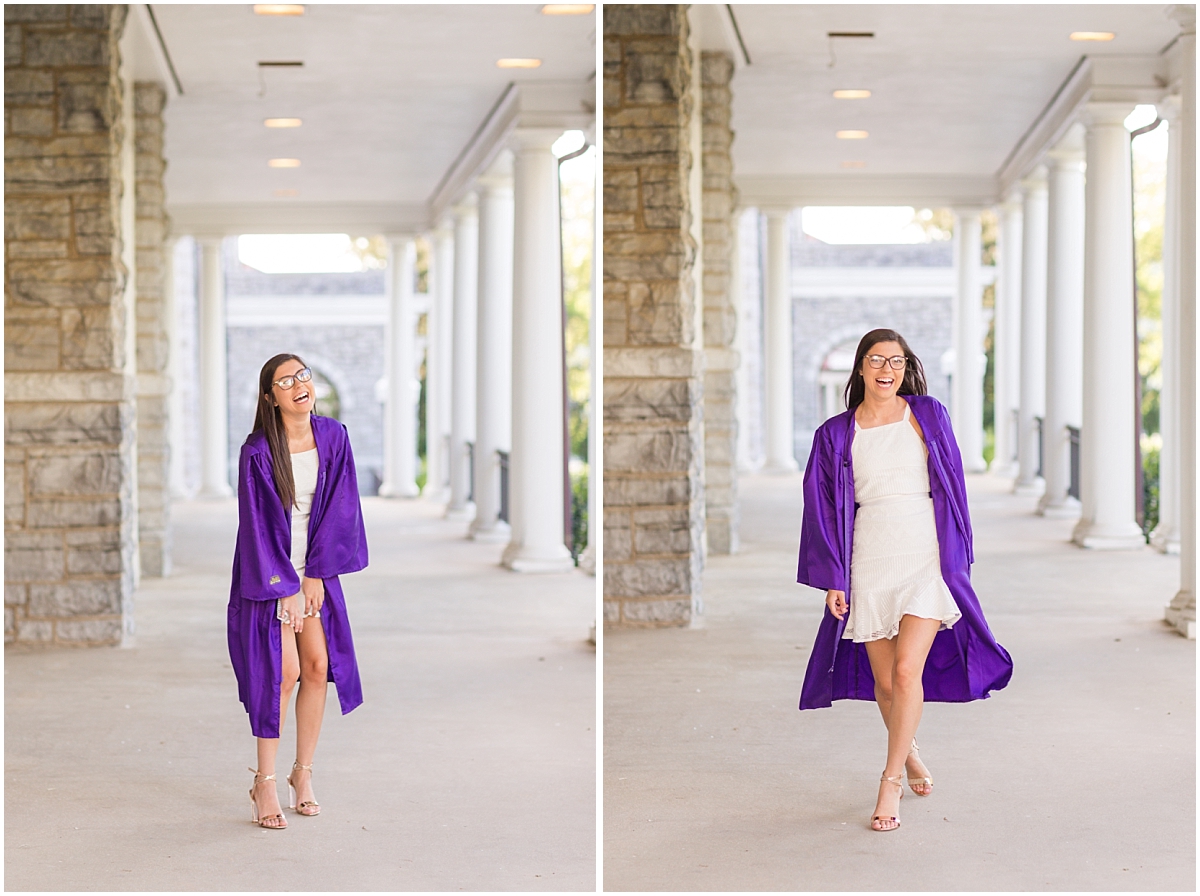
<point>296,765</point>
<point>259,775</point>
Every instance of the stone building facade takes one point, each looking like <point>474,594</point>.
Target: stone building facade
<point>71,523</point>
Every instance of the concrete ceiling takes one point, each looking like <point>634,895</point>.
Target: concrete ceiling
<point>954,87</point>
<point>390,95</point>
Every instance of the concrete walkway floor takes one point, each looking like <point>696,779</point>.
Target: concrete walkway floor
<point>1080,775</point>
<point>471,764</point>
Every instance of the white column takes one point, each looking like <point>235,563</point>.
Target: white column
<point>1182,611</point>
<point>214,399</point>
<point>438,364</point>
<point>967,404</point>
<point>1107,486</point>
<point>1006,351</point>
<point>176,474</point>
<point>536,489</point>
<point>737,295</point>
<point>493,375</point>
<point>777,332</point>
<point>462,376</point>
<point>1064,328</point>
<point>400,413</point>
<point>587,559</point>
<point>1033,333</point>
<point>1165,536</point>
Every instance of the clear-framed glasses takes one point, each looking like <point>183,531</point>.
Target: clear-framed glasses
<point>303,375</point>
<point>896,363</point>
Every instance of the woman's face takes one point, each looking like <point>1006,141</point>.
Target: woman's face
<point>884,382</point>
<point>299,398</point>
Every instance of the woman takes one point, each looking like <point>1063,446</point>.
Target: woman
<point>887,536</point>
<point>300,527</point>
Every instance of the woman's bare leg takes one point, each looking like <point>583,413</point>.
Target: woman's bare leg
<point>310,702</point>
<point>266,796</point>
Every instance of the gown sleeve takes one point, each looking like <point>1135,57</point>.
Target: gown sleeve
<point>820,564</point>
<point>262,565</point>
<point>957,481</point>
<point>338,538</point>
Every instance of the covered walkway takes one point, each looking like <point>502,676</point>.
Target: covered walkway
<point>469,766</point>
<point>1079,776</point>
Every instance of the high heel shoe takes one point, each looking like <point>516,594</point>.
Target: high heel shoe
<point>927,782</point>
<point>898,780</point>
<point>308,807</point>
<point>262,822</point>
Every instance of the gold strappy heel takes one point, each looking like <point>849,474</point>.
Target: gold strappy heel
<point>898,780</point>
<point>262,822</point>
<point>927,782</point>
<point>308,807</point>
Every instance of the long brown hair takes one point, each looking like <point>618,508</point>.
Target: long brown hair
<point>269,419</point>
<point>914,374</point>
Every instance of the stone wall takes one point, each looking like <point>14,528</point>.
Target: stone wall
<point>653,356</point>
<point>720,314</point>
<point>70,510</point>
<point>154,386</point>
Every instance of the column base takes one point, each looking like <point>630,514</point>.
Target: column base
<point>1067,508</point>
<point>1165,541</point>
<point>1095,537</point>
<point>1004,470</point>
<point>974,464</point>
<point>498,532</point>
<point>519,558</point>
<point>1181,614</point>
<point>464,514</point>
<point>435,495</point>
<point>213,493</point>
<point>587,563</point>
<point>399,490</point>
<point>780,467</point>
<point>1034,488</point>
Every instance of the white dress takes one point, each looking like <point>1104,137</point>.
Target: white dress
<point>895,569</point>
<point>304,475</point>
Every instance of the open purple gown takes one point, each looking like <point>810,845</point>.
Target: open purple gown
<point>263,573</point>
<point>965,662</point>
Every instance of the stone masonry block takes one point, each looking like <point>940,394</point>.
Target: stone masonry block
<point>75,474</point>
<point>61,49</point>
<point>95,225</point>
<point>71,146</point>
<point>636,19</point>
<point>14,42</point>
<point>15,595</point>
<point>90,338</point>
<point>612,612</point>
<point>32,556</point>
<point>98,16</point>
<point>630,401</point>
<point>67,423</point>
<point>657,612</point>
<point>31,346</point>
<point>643,267</point>
<point>37,219</point>
<point>670,451</point>
<point>80,512</point>
<point>657,315</point>
<point>666,218</point>
<point>35,631</point>
<point>620,491</point>
<point>666,531</point>
<point>149,99</point>
<point>648,578</point>
<point>84,597</point>
<point>618,536</point>
<point>37,249</point>
<point>70,282</point>
<point>31,122</point>
<point>40,13</point>
<point>92,552</point>
<point>89,631</point>
<point>626,221</point>
<point>14,492</point>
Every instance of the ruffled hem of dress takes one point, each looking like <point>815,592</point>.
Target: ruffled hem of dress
<point>922,601</point>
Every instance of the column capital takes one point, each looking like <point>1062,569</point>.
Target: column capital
<point>1034,181</point>
<point>400,238</point>
<point>776,211</point>
<point>1010,204</point>
<point>209,240</point>
<point>1185,15</point>
<point>968,211</point>
<point>466,207</point>
<point>534,139</point>
<point>1170,107</point>
<point>493,184</point>
<point>1065,159</point>
<point>1106,113</point>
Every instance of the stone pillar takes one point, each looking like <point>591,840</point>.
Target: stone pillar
<point>400,413</point>
<point>438,365</point>
<point>653,357</point>
<point>462,375</point>
<point>536,467</point>
<point>1182,610</point>
<point>1064,328</point>
<point>1006,351</point>
<point>1107,484</point>
<point>720,313</point>
<point>70,455</point>
<point>153,343</point>
<point>777,329</point>
<point>1033,333</point>
<point>1165,537</point>
<point>214,398</point>
<point>967,389</point>
<point>494,355</point>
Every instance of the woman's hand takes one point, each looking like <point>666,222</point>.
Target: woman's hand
<point>836,601</point>
<point>313,591</point>
<point>292,606</point>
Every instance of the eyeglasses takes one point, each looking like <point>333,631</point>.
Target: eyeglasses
<point>896,363</point>
<point>303,375</point>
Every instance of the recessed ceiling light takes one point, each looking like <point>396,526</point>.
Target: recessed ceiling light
<point>854,164</point>
<point>279,9</point>
<point>518,63</point>
<point>284,163</point>
<point>852,135</point>
<point>567,9</point>
<point>851,94</point>
<point>287,193</point>
<point>1092,35</point>
<point>282,122</point>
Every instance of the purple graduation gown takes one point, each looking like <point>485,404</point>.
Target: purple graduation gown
<point>263,572</point>
<point>965,662</point>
